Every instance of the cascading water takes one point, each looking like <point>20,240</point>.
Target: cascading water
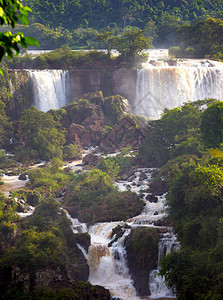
<point>50,88</point>
<point>157,286</point>
<point>107,256</point>
<point>163,87</point>
<point>108,266</point>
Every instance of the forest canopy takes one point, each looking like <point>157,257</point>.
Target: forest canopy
<point>77,22</point>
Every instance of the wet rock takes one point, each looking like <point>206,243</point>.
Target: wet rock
<point>84,240</point>
<point>152,198</point>
<point>153,62</point>
<point>142,176</point>
<point>20,208</point>
<point>11,174</point>
<point>116,255</point>
<point>163,222</point>
<point>91,159</point>
<point>22,177</point>
<point>158,187</point>
<point>142,251</point>
<point>85,290</point>
<point>131,178</point>
<point>127,173</point>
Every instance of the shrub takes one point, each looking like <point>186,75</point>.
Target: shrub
<point>72,151</point>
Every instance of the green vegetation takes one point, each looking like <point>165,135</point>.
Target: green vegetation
<point>72,152</point>
<point>202,39</point>
<point>5,126</point>
<point>211,125</point>
<point>11,13</point>
<point>42,244</point>
<point>71,21</point>
<point>194,26</point>
<point>92,197</point>
<point>143,243</point>
<point>52,178</point>
<point>176,133</point>
<point>41,133</point>
<point>182,142</point>
<point>61,58</point>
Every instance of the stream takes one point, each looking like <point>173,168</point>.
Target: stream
<point>108,265</point>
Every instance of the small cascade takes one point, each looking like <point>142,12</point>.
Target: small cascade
<point>107,257</point>
<point>83,251</point>
<point>50,88</point>
<point>108,265</point>
<point>157,286</point>
<point>163,87</point>
<point>76,226</point>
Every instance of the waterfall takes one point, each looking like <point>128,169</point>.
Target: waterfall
<point>163,87</point>
<point>157,286</point>
<point>107,257</point>
<point>108,265</point>
<point>50,88</point>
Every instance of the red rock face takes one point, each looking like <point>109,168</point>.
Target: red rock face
<point>86,123</point>
<point>123,135</point>
<point>111,81</point>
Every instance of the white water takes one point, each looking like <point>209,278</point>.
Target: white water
<point>108,265</point>
<point>163,87</point>
<point>156,283</point>
<point>50,88</point>
<point>11,183</point>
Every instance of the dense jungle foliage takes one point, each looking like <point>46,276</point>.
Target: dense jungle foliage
<point>160,18</point>
<point>195,26</point>
<point>187,143</point>
<point>39,254</point>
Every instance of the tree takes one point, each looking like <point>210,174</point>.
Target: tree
<point>5,126</point>
<point>167,29</point>
<point>212,125</point>
<point>12,11</point>
<point>108,40</point>
<point>41,133</point>
<point>176,131</point>
<point>133,43</point>
<point>205,37</point>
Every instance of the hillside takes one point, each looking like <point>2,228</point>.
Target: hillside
<point>77,22</point>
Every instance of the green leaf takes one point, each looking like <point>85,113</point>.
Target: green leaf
<point>31,41</point>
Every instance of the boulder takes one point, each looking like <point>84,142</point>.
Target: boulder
<point>22,177</point>
<point>91,159</point>
<point>142,176</point>
<point>127,172</point>
<point>125,134</point>
<point>152,198</point>
<point>84,239</point>
<point>94,97</point>
<point>76,129</point>
<point>158,187</point>
<point>142,255</point>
